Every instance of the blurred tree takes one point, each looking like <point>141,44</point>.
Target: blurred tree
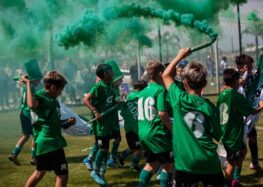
<point>255,28</point>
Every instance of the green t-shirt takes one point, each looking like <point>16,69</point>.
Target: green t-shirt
<point>103,98</point>
<point>232,107</point>
<point>153,134</point>
<point>116,125</point>
<point>46,124</point>
<point>196,123</point>
<point>129,112</point>
<point>23,106</point>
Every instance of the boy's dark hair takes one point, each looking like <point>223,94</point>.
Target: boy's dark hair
<point>230,75</point>
<point>243,59</point>
<point>195,75</point>
<point>101,69</point>
<point>153,68</point>
<point>140,85</point>
<point>54,78</point>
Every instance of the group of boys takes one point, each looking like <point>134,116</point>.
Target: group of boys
<point>187,145</point>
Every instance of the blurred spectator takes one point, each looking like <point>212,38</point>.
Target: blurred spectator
<point>210,64</point>
<point>134,72</point>
<point>223,64</point>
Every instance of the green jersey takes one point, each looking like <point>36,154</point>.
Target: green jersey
<point>153,134</point>
<point>195,124</point>
<point>129,112</point>
<point>233,106</point>
<point>46,124</point>
<point>23,106</point>
<point>103,98</point>
<point>116,125</point>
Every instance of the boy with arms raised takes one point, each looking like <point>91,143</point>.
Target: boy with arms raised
<point>154,127</point>
<point>195,125</point>
<point>233,107</point>
<point>101,98</point>
<point>49,142</point>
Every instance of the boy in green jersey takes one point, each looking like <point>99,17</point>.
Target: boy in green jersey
<point>195,125</point>
<point>49,141</point>
<point>26,125</point>
<point>101,98</point>
<point>233,107</point>
<point>129,112</point>
<point>116,135</point>
<point>244,64</point>
<point>35,75</point>
<point>154,127</point>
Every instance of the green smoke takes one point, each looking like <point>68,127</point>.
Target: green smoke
<point>88,26</point>
<point>201,9</point>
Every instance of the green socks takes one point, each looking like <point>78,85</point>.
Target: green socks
<point>93,151</point>
<point>17,150</point>
<point>98,160</point>
<point>237,172</point>
<point>145,177</point>
<point>103,164</point>
<point>166,179</point>
<point>33,152</point>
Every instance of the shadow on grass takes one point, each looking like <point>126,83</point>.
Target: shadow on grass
<point>131,183</point>
<point>128,178</point>
<point>75,159</point>
<point>252,179</point>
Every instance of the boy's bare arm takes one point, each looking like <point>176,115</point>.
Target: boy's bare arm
<point>165,119</point>
<point>29,96</point>
<point>86,101</point>
<point>169,72</point>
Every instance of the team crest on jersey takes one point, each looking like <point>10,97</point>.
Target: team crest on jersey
<point>109,99</point>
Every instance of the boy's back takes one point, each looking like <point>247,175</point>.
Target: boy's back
<point>129,112</point>
<point>233,106</point>
<point>152,132</point>
<point>199,116</point>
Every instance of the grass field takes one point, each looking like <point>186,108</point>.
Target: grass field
<point>15,176</point>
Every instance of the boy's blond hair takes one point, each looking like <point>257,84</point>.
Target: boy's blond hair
<point>195,75</point>
<point>54,78</point>
<point>153,68</point>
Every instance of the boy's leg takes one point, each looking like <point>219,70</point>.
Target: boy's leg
<point>17,149</point>
<point>99,165</point>
<point>135,147</point>
<point>166,175</point>
<point>61,180</point>
<point>238,168</point>
<point>114,151</point>
<point>123,155</point>
<point>27,131</point>
<point>148,170</point>
<point>33,153</point>
<point>135,160</point>
<point>253,147</point>
<point>146,174</point>
<point>92,154</point>
<point>35,178</point>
